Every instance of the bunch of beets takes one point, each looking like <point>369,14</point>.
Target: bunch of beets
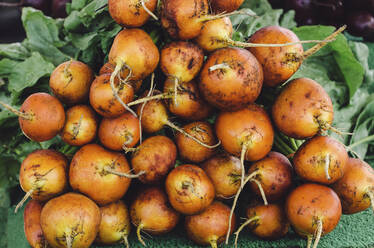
<point>357,14</point>
<point>77,202</point>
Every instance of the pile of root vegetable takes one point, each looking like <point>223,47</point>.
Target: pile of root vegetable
<point>235,125</point>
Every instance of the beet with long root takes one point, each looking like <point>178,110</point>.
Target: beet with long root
<point>210,226</point>
<point>70,221</point>
<point>231,79</point>
<point>274,173</point>
<point>71,81</point>
<point>356,188</point>
<point>135,56</point>
<point>43,175</point>
<point>189,189</point>
<point>102,175</point>
<point>114,225</point>
<point>270,177</point>
<point>313,210</point>
<point>265,221</point>
<point>246,133</point>
<point>104,101</point>
<point>152,213</point>
<point>189,149</point>
<point>303,109</point>
<point>218,33</point>
<point>321,159</point>
<point>155,157</point>
<point>40,110</point>
<point>80,126</point>
<point>280,63</point>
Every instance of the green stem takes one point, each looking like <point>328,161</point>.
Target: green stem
<point>293,143</point>
<point>364,140</point>
<point>284,145</point>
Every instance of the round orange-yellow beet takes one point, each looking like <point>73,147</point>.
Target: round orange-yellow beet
<point>71,81</point>
<point>45,117</point>
<point>278,63</point>
<point>250,127</point>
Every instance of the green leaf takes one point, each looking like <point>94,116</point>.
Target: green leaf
<point>288,20</point>
<point>73,22</point>
<point>15,51</point>
<point>14,229</point>
<point>350,70</point>
<point>6,67</point>
<point>83,41</point>
<point>91,10</point>
<point>28,72</point>
<point>78,4</point>
<point>43,35</point>
<point>364,127</point>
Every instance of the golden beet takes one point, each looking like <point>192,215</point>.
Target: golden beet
<point>115,133</point>
<point>93,172</point>
<point>187,103</point>
<point>80,126</point>
<point>189,149</point>
<point>321,159</point>
<point>114,225</point>
<point>189,189</point>
<point>130,13</point>
<point>356,187</point>
<point>313,209</point>
<point>302,109</point>
<point>156,157</point>
<point>224,170</point>
<point>32,227</point>
<point>71,220</point>
<point>210,226</point>
<point>103,100</point>
<point>71,81</point>
<point>43,174</point>
<point>41,110</point>
<point>150,211</point>
<point>231,78</point>
<point>278,63</point>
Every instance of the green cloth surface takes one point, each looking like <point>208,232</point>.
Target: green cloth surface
<point>353,231</point>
